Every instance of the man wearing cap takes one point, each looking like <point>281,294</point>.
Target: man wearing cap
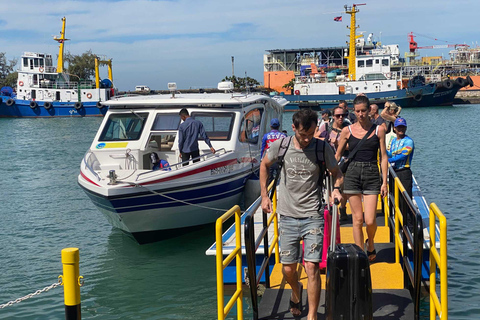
<point>267,140</point>
<point>400,154</point>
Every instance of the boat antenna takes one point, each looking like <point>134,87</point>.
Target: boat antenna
<point>61,40</point>
<point>247,87</point>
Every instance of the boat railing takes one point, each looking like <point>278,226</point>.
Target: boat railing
<point>406,225</point>
<point>221,264</point>
<point>438,306</point>
<point>91,161</point>
<point>178,165</point>
<point>64,85</point>
<point>252,245</point>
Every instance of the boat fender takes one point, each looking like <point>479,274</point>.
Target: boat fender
<point>33,104</point>
<point>20,83</point>
<point>461,82</point>
<point>469,81</point>
<point>418,97</point>
<point>439,85</point>
<point>78,105</point>
<point>89,95</point>
<point>10,102</point>
<point>297,92</point>
<point>448,84</point>
<point>99,105</point>
<point>47,105</point>
<point>41,69</point>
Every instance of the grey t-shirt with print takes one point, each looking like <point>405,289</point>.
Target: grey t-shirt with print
<point>299,192</point>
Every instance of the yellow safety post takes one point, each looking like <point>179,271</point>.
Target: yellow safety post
<point>71,283</point>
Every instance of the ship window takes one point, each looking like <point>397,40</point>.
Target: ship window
<point>377,61</point>
<point>166,122</point>
<point>385,62</point>
<point>361,63</point>
<point>35,62</point>
<point>369,62</point>
<point>250,127</point>
<point>25,62</point>
<point>218,126</point>
<point>126,126</point>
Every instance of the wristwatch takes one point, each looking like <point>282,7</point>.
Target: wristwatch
<point>338,188</point>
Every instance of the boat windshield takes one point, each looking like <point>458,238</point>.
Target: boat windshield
<point>124,127</point>
<point>218,126</point>
<point>166,122</point>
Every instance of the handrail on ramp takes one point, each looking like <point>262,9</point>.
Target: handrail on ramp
<point>438,306</point>
<point>221,264</point>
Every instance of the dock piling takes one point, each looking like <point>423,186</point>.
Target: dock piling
<point>71,283</point>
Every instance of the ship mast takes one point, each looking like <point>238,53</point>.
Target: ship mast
<point>61,40</point>
<point>352,51</point>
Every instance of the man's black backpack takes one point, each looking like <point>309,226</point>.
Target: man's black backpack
<point>320,151</point>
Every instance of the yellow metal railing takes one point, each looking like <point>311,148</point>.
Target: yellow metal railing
<point>223,263</point>
<point>438,306</point>
<point>398,220</point>
<point>274,217</point>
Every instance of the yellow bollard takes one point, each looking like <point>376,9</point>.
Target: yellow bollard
<point>71,283</point>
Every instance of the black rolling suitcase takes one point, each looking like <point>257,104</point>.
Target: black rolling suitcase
<point>349,284</point>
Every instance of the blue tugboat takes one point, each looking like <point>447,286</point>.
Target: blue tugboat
<point>46,91</point>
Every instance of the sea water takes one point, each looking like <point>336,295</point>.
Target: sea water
<point>43,210</point>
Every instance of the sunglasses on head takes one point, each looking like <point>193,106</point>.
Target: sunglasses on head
<point>340,115</point>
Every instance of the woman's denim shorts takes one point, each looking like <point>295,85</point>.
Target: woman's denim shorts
<point>362,178</point>
<point>292,230</point>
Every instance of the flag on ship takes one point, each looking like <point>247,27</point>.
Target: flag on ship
<point>338,19</point>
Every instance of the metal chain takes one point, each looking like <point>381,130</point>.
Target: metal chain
<point>10,303</point>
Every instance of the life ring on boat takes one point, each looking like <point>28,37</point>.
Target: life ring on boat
<point>448,84</point>
<point>469,81</point>
<point>388,75</point>
<point>461,82</point>
<point>33,104</point>
<point>89,95</point>
<point>10,102</point>
<point>99,105</point>
<point>78,105</point>
<point>303,79</point>
<point>297,92</point>
<point>20,83</point>
<point>41,69</point>
<point>47,105</point>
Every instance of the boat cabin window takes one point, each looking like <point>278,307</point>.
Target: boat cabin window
<point>126,126</point>
<point>166,122</point>
<point>250,127</point>
<point>369,62</point>
<point>361,63</point>
<point>162,141</point>
<point>218,126</point>
<point>385,62</point>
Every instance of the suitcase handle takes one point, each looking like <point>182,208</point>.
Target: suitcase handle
<point>333,233</point>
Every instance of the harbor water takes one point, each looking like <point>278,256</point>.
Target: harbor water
<point>43,210</point>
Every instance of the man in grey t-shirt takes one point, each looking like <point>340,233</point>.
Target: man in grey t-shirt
<point>299,206</point>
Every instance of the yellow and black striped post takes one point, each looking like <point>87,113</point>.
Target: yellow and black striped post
<point>71,283</point>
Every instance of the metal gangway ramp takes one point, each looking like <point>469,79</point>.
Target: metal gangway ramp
<point>403,255</point>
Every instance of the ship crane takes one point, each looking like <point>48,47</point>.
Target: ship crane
<point>413,45</point>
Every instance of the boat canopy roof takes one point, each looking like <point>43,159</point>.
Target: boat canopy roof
<point>213,100</point>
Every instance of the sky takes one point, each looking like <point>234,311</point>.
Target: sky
<point>191,42</point>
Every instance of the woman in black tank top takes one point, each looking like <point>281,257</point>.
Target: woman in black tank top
<point>362,179</point>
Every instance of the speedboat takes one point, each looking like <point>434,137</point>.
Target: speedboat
<point>118,175</point>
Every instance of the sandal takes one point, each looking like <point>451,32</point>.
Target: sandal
<point>372,255</point>
<point>297,305</point>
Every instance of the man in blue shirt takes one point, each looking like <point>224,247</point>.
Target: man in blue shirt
<point>188,133</point>
<point>267,140</point>
<point>400,155</point>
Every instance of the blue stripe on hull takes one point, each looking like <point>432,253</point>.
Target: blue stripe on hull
<point>150,200</point>
<point>21,108</point>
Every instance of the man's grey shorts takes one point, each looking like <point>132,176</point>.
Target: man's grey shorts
<point>292,230</point>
